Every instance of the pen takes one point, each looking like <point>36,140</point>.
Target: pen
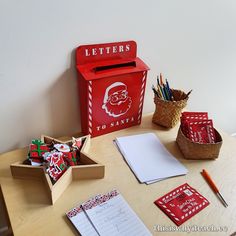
<point>163,89</point>
<point>213,187</point>
<point>161,81</point>
<point>155,91</point>
<point>162,92</point>
<point>158,83</point>
<point>169,90</point>
<point>166,92</point>
<point>188,93</point>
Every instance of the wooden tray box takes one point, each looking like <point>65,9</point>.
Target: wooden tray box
<point>88,169</point>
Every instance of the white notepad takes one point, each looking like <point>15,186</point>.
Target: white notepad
<point>79,219</point>
<point>106,215</point>
<point>148,158</point>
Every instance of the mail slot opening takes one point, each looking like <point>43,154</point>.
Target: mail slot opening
<point>115,66</point>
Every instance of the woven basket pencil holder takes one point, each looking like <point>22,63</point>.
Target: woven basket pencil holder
<point>168,113</point>
<point>199,151</point>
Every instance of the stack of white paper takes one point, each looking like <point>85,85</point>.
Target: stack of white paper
<point>148,158</point>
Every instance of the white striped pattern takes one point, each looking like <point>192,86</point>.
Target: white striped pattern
<point>90,111</point>
<point>142,96</point>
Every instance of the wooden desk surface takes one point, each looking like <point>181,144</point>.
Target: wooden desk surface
<point>30,213</point>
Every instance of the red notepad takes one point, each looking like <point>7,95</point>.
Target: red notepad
<point>182,203</point>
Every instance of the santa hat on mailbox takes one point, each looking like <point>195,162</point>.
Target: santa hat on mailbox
<point>115,87</point>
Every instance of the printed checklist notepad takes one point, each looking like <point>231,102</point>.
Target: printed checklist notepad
<point>107,214</point>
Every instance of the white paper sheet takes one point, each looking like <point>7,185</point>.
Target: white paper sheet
<point>148,158</point>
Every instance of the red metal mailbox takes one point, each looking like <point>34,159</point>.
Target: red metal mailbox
<point>111,81</point>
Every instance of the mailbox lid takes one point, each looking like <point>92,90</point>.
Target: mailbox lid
<point>106,51</point>
<point>98,61</point>
<point>107,68</point>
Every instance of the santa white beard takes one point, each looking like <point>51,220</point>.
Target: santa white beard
<point>117,109</point>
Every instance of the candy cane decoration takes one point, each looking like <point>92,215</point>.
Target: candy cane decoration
<point>142,96</point>
<point>90,124</point>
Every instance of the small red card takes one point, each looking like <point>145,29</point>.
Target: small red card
<point>182,203</point>
<point>191,116</point>
<point>194,115</point>
<point>201,131</point>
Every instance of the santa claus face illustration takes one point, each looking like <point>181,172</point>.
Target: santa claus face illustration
<point>116,101</point>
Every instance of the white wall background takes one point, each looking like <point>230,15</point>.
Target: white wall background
<point>193,43</point>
